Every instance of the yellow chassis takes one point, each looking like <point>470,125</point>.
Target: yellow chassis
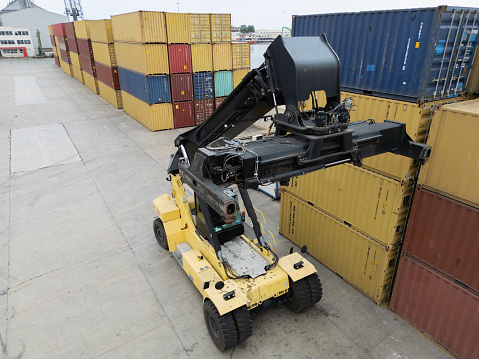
<point>203,266</point>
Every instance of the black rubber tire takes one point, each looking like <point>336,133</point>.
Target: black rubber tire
<point>244,323</point>
<point>222,328</point>
<point>299,295</point>
<point>160,233</point>
<point>315,288</point>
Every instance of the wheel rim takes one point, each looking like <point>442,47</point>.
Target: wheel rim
<point>159,235</point>
<point>213,326</point>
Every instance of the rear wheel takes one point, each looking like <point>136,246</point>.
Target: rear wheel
<point>315,288</point>
<point>222,328</point>
<point>160,233</point>
<point>299,295</point>
<point>244,323</point>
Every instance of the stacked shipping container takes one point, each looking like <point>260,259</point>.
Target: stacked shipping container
<point>437,285</point>
<point>61,42</point>
<point>105,61</point>
<point>374,201</point>
<point>74,53</point>
<point>56,50</point>
<point>85,52</point>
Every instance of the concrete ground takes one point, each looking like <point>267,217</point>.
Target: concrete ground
<point>81,275</point>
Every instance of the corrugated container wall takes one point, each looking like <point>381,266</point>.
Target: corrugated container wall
<point>72,45</point>
<point>69,29</point>
<point>104,53</point>
<point>220,28</point>
<point>149,59</point>
<point>111,95</point>
<point>149,89</point>
<point>85,48</point>
<point>411,54</point>
<point>65,56</point>
<point>108,75</point>
<point>88,65</point>
<point>179,58</point>
<point>62,43</point>
<point>241,55</point>
<point>75,59</point>
<point>155,117</point>
<point>453,167</point>
<point>82,30</point>
<point>369,202</point>
<point>67,68</point>
<point>222,57</point>
<point>444,234</point>
<point>200,29</point>
<point>416,117</point>
<point>100,31</point>
<point>59,29</point>
<point>203,85</point>
<point>362,262</point>
<point>50,30</point>
<point>181,87</point>
<point>203,110</point>
<point>183,114</point>
<point>139,27</point>
<point>78,74</point>
<point>202,57</point>
<point>219,101</point>
<point>223,83</point>
<point>473,83</point>
<point>441,309</point>
<point>91,82</point>
<point>178,28</point>
<point>57,60</point>
<point>238,76</point>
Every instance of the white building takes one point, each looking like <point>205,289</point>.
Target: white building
<point>16,42</point>
<point>25,14</point>
<point>272,34</point>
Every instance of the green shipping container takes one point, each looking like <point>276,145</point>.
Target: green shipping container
<point>223,83</point>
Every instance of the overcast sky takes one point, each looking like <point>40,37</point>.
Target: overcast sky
<point>261,14</point>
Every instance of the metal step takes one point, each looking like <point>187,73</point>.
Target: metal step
<point>180,249</point>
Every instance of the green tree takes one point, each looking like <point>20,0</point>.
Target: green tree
<point>246,28</point>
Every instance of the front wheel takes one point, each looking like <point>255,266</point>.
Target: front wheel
<point>304,293</point>
<point>222,328</point>
<point>160,233</point>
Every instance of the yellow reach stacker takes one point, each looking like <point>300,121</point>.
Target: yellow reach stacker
<point>232,263</point>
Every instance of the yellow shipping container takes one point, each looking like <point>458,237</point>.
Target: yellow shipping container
<point>373,204</point>
<point>56,51</point>
<point>202,57</point>
<point>82,30</point>
<point>56,42</point>
<point>78,74</point>
<point>222,59</point>
<point>75,59</point>
<point>416,117</point>
<point>200,29</point>
<point>91,82</point>
<point>139,27</point>
<point>454,166</point>
<point>143,58</point>
<point>50,29</point>
<point>220,28</point>
<point>104,53</point>
<point>156,117</point>
<point>111,95</point>
<point>473,82</point>
<point>178,28</point>
<point>100,31</point>
<point>241,55</point>
<point>238,75</point>
<point>67,68</point>
<point>359,260</point>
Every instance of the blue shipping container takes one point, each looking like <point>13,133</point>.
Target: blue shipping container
<point>150,89</point>
<point>203,85</point>
<point>412,54</point>
<point>223,83</point>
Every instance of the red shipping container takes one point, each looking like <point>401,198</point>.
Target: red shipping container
<point>88,65</point>
<point>203,110</point>
<point>52,40</point>
<point>57,60</point>
<point>65,56</point>
<point>181,87</point>
<point>62,43</point>
<point>72,44</point>
<point>183,114</point>
<point>84,48</point>
<point>179,57</point>
<point>438,307</point>
<point>108,75</point>
<point>69,29</point>
<point>59,29</point>
<point>444,233</point>
<point>218,101</point>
